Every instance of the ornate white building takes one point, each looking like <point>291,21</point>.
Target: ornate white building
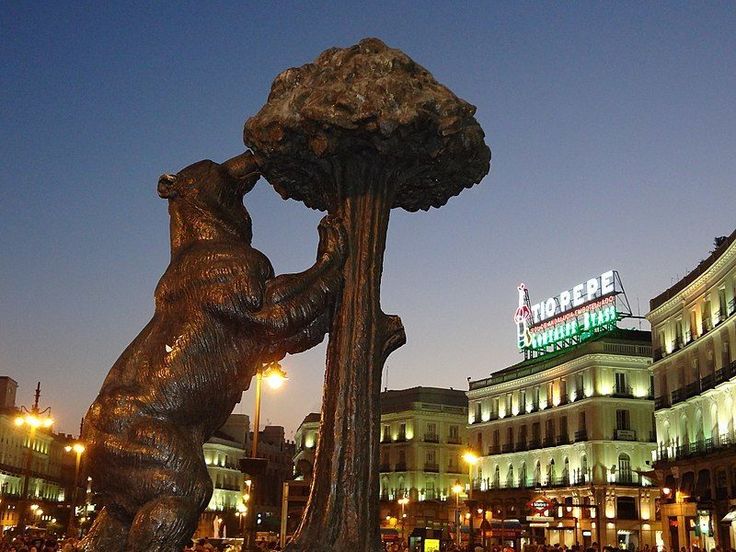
<point>576,427</point>
<point>694,336</point>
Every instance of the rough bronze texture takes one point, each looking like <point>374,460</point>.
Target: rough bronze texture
<point>358,132</point>
<point>219,314</point>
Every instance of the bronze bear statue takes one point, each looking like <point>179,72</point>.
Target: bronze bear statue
<point>219,314</point>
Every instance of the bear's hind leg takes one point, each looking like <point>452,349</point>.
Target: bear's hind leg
<point>163,525</point>
<point>109,533</point>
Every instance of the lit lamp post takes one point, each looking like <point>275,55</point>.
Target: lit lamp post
<point>471,459</point>
<point>30,420</point>
<point>457,489</point>
<point>78,449</point>
<point>275,377</point>
<point>403,502</point>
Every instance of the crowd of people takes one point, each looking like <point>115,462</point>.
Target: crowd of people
<point>29,543</point>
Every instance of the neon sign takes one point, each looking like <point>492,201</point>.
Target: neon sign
<point>570,317</point>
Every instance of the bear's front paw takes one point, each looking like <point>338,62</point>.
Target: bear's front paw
<point>333,239</point>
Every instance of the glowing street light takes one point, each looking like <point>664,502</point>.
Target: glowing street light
<point>471,459</point>
<point>457,489</point>
<point>275,377</point>
<point>403,502</point>
<point>78,448</point>
<point>30,420</point>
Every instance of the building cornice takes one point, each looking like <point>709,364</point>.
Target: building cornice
<point>695,288</point>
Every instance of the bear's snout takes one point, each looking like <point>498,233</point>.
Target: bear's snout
<point>165,186</point>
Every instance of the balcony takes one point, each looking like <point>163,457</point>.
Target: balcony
<point>661,402</point>
<point>581,435</point>
<point>628,478</point>
<point>494,449</point>
<point>400,467</point>
<point>535,444</point>
<point>401,438</point>
<point>431,467</point>
<point>521,446</point>
<point>454,469</point>
<point>384,468</point>
<point>549,442</point>
<point>725,373</point>
<point>386,438</point>
<point>507,447</point>
<point>624,435</point>
<point>624,391</point>
<point>720,317</point>
<point>563,440</point>
<point>454,440</point>
<point>431,438</point>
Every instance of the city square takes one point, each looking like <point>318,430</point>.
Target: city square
<point>538,357</point>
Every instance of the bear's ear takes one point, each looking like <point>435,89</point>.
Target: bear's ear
<point>244,170</point>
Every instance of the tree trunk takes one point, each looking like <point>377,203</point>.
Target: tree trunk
<point>342,511</point>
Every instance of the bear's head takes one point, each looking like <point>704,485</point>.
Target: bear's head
<point>213,190</point>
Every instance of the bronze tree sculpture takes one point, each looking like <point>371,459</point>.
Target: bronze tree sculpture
<point>358,132</point>
<point>219,314</point>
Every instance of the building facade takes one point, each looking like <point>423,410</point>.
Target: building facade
<point>222,454</point>
<point>694,336</point>
<point>422,443</point>
<point>574,428</point>
<point>50,472</point>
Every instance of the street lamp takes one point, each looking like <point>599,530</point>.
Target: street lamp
<point>275,377</point>
<point>31,420</point>
<point>78,448</point>
<point>471,459</point>
<point>457,489</point>
<point>403,502</point>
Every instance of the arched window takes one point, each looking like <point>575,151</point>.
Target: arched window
<point>497,477</point>
<point>551,472</point>
<point>522,475</point>
<point>566,471</point>
<point>510,476</point>
<point>538,474</point>
<point>624,468</point>
<point>584,475</point>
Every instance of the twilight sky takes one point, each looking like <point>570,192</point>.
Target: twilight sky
<point>612,126</point>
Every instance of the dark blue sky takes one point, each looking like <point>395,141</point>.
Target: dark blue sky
<point>612,125</point>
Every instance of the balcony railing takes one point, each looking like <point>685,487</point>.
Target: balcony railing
<point>581,435</point>
<point>454,440</point>
<point>384,468</point>
<point>431,438</point>
<point>400,467</point>
<point>701,447</point>
<point>662,402</point>
<point>431,467</point>
<point>732,306</point>
<point>623,391</point>
<point>535,444</point>
<point>454,469</point>
<point>507,447</point>
<point>521,446</point>
<point>494,449</point>
<point>549,442</point>
<point>563,439</point>
<point>401,438</point>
